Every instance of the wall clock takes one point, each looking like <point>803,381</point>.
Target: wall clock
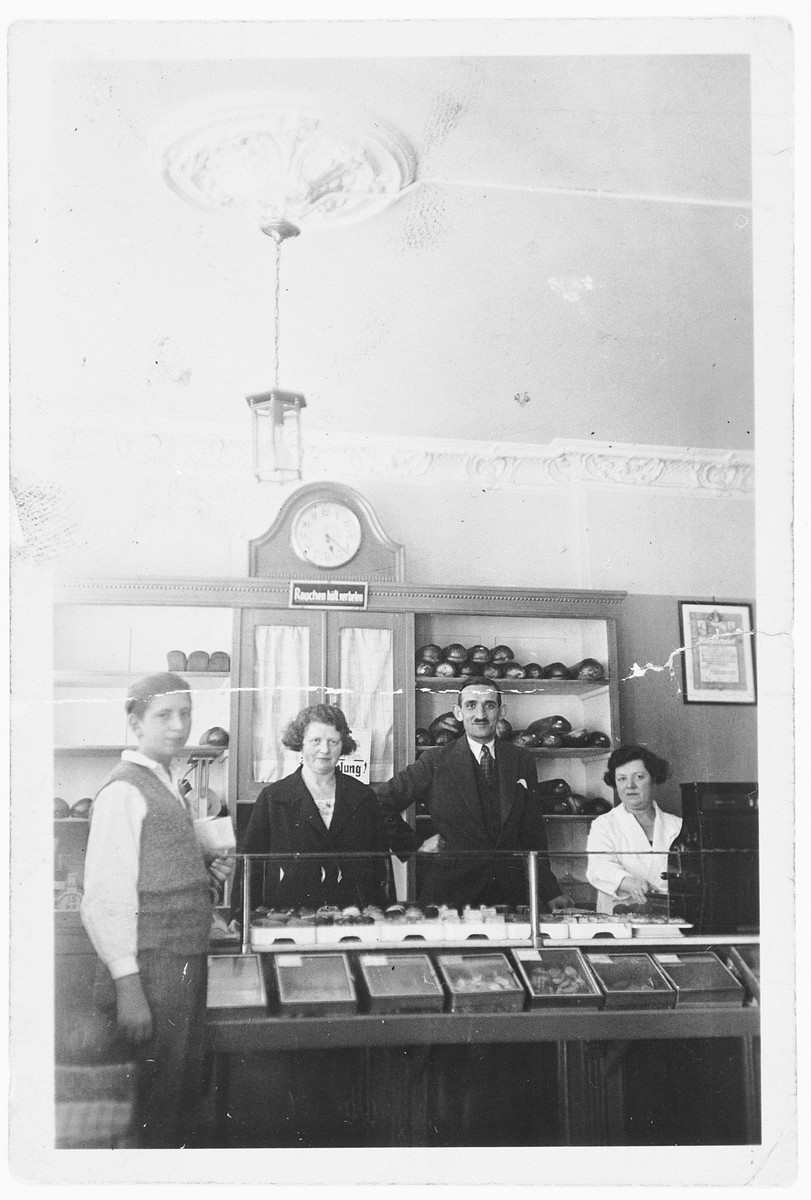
<point>326,533</point>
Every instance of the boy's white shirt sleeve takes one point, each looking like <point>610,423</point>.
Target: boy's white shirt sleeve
<point>109,907</point>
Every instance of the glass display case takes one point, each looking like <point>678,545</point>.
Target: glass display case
<point>667,913</point>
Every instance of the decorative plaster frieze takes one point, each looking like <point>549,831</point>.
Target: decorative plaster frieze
<point>510,466</point>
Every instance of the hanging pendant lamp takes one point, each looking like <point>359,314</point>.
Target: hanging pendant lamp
<point>282,162</point>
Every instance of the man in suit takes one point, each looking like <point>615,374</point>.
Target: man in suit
<point>480,793</point>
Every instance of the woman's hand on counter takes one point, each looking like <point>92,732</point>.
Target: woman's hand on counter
<point>560,902</point>
<point>132,1011</point>
<point>634,889</point>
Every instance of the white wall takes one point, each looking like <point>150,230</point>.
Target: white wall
<point>179,512</point>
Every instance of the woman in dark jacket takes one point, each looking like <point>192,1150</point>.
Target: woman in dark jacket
<point>316,809</point>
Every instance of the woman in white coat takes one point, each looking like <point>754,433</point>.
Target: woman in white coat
<point>628,847</point>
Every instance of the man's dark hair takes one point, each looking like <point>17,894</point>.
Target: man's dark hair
<point>480,681</point>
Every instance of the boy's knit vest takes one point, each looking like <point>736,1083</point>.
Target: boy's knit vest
<point>174,903</point>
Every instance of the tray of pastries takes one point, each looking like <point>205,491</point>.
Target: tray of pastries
<point>314,984</point>
<point>400,983</point>
<point>700,978</point>
<point>630,980</point>
<point>479,982</point>
<point>235,981</point>
<point>557,977</point>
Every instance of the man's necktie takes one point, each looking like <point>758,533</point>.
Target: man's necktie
<point>492,815</point>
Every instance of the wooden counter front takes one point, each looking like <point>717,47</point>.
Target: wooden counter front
<point>244,1033</point>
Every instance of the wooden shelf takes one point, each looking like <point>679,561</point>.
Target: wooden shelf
<point>115,751</point>
<point>570,817</point>
<point>122,678</point>
<point>507,687</point>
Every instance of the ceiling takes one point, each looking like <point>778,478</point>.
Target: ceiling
<point>573,262</point>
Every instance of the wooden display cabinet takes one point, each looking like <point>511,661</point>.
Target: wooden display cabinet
<point>99,649</point>
<point>554,627</point>
<point>110,631</point>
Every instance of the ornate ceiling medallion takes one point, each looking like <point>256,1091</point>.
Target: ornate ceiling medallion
<point>268,157</point>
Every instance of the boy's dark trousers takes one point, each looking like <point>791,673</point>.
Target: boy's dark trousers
<point>170,1064</point>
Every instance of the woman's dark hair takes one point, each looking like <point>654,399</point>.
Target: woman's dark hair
<point>656,767</point>
<point>144,691</point>
<point>325,714</point>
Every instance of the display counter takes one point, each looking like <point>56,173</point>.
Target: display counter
<point>584,1049</point>
<point>589,1068</point>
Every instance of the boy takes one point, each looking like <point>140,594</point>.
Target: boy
<point>147,909</point>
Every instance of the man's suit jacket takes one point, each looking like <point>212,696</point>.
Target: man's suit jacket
<point>445,779</point>
<point>285,819</point>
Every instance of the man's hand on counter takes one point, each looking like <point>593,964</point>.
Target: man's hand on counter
<point>132,1011</point>
<point>562,901</point>
<point>220,868</point>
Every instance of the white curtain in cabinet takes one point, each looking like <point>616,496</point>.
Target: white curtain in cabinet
<point>281,678</point>
<point>366,696</point>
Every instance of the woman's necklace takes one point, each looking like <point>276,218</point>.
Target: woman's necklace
<point>322,792</point>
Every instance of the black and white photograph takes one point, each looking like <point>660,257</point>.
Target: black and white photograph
<point>401,602</point>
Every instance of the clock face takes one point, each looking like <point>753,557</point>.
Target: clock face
<point>326,534</point>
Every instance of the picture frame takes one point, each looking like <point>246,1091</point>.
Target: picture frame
<point>718,657</point>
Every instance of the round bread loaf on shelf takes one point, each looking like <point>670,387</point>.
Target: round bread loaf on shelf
<point>479,654</point>
<point>556,670</point>
<point>430,653</point>
<point>553,724</point>
<point>588,668</point>
<point>503,654</point>
<point>601,740</point>
<point>445,721</point>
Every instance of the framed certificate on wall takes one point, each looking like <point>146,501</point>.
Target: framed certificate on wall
<point>718,653</point>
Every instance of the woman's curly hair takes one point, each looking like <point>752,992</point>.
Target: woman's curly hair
<point>324,714</point>
<point>657,767</point>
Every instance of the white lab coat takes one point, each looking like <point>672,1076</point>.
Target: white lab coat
<point>625,850</point>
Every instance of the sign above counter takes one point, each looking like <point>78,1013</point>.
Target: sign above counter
<point>318,594</point>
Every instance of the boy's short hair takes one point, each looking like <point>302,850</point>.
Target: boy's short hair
<point>142,692</point>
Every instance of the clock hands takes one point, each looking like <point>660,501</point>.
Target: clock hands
<point>333,545</point>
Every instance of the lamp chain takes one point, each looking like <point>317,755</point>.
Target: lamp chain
<point>278,246</point>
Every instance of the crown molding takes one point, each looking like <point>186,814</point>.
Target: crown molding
<point>493,465</point>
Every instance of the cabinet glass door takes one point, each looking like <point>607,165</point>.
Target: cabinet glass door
<point>281,672</point>
<point>364,680</point>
